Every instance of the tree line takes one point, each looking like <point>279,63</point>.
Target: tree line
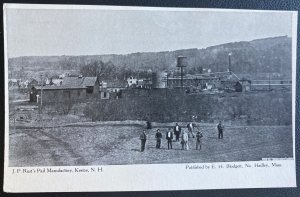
<point>108,71</point>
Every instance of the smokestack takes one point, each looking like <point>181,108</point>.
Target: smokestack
<point>229,62</point>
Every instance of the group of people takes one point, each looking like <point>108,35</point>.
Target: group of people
<point>183,135</point>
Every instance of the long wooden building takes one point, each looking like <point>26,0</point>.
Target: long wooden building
<point>73,89</point>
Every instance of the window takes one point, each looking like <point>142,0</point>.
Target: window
<point>78,92</point>
<point>104,95</point>
<point>89,90</point>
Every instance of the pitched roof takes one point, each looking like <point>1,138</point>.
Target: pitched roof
<point>79,81</point>
<point>14,80</point>
<point>58,87</point>
<point>89,81</point>
<point>116,83</point>
<point>31,80</point>
<point>72,81</point>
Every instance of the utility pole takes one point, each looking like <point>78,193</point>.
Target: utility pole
<point>167,85</point>
<point>41,110</point>
<point>181,77</point>
<point>269,83</point>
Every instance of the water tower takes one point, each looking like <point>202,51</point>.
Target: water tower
<point>181,62</point>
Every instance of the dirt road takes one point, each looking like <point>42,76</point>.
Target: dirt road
<point>108,144</point>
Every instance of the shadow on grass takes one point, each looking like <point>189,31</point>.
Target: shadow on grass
<point>161,148</point>
<point>135,149</point>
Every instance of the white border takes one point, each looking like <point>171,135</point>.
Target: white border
<point>294,73</point>
<point>148,177</point>
<point>110,7</point>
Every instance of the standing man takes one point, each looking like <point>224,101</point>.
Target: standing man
<point>191,128</point>
<point>169,138</point>
<point>177,131</point>
<point>143,138</point>
<point>184,140</point>
<point>158,137</point>
<point>220,130</point>
<point>199,135</point>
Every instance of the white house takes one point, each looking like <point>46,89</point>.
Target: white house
<point>61,76</point>
<point>132,81</point>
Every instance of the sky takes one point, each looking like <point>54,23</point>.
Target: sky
<point>47,32</point>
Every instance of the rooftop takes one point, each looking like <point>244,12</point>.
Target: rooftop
<point>58,87</point>
<point>116,84</point>
<point>79,81</point>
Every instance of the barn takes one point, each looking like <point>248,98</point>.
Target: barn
<point>91,84</point>
<point>58,94</point>
<point>73,89</point>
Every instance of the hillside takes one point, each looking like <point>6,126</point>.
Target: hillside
<point>254,60</point>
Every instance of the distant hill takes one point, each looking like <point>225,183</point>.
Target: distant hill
<point>255,59</point>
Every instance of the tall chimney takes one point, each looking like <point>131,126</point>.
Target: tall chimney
<point>229,62</point>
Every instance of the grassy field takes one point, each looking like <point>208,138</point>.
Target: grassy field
<point>120,144</point>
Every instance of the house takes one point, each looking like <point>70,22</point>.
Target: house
<point>144,84</point>
<point>14,82</point>
<point>53,82</point>
<point>104,94</point>
<point>57,82</point>
<point>243,86</point>
<point>29,83</point>
<point>115,88</point>
<point>112,89</point>
<point>103,84</point>
<point>139,83</point>
<point>131,81</point>
<point>116,85</point>
<point>90,83</point>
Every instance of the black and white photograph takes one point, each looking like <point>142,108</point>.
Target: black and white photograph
<point>115,86</point>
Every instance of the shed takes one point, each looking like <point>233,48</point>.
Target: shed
<point>243,85</point>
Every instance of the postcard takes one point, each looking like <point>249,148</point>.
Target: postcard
<point>116,98</point>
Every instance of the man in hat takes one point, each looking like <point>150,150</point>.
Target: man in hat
<point>169,137</point>
<point>190,127</point>
<point>143,138</point>
<point>184,140</point>
<point>220,130</point>
<point>177,131</point>
<point>158,137</point>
